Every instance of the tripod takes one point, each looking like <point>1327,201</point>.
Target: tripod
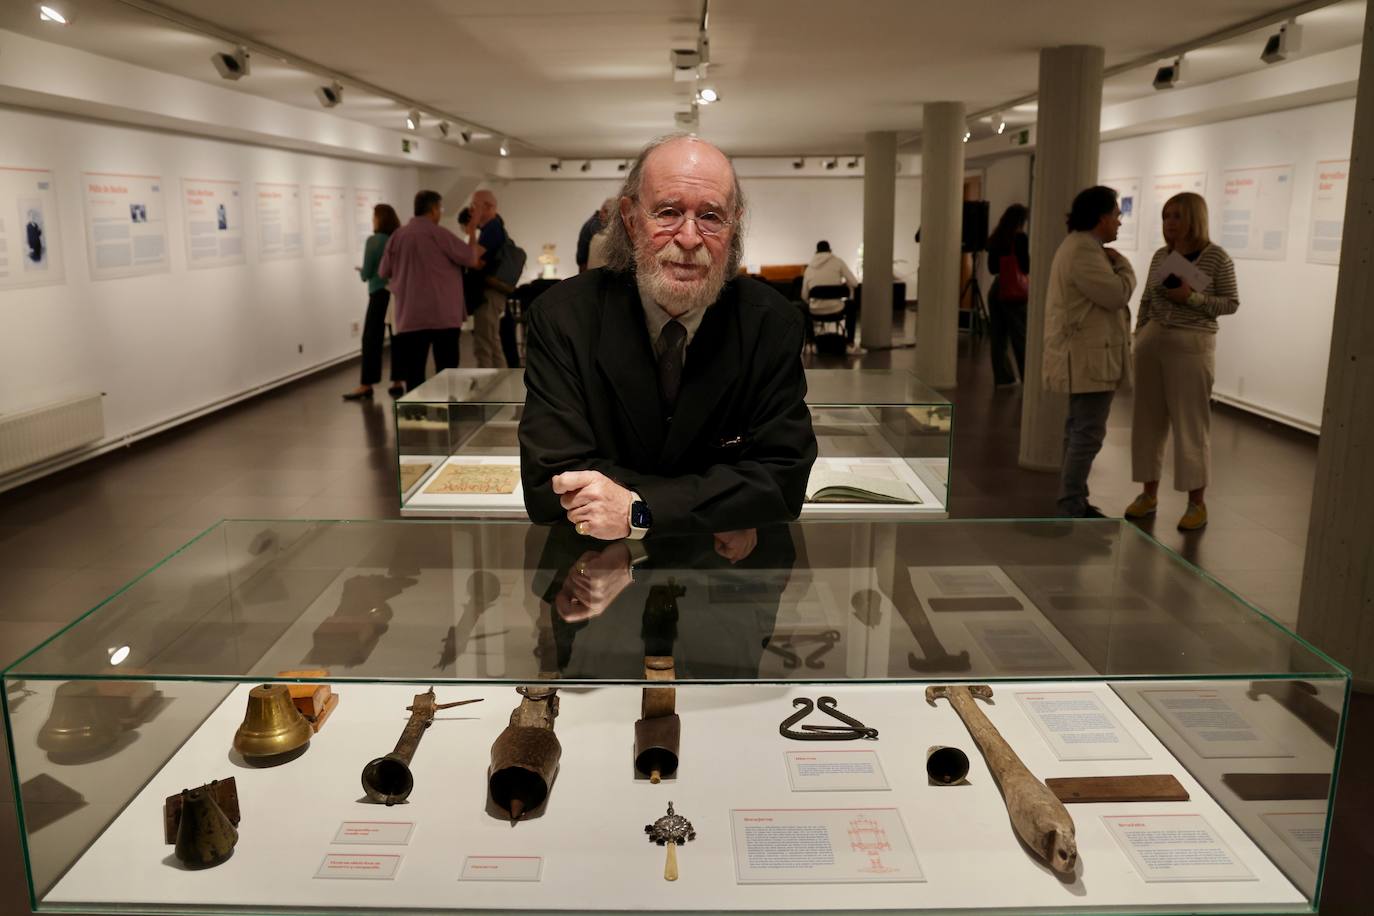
<point>979,321</point>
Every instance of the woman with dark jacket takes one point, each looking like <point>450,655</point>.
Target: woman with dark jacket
<point>1008,249</point>
<point>384,222</point>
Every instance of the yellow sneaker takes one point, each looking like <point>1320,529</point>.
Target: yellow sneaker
<point>1143,506</point>
<point>1193,519</point>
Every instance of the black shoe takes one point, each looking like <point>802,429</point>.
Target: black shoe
<point>356,395</point>
<point>396,390</point>
<point>1093,512</point>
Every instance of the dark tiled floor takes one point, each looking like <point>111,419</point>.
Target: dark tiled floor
<point>68,541</point>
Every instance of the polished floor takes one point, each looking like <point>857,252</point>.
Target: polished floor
<point>72,539</point>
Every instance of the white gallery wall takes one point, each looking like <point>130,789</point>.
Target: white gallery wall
<point>785,219</point>
<point>174,340</point>
<point>1272,354</point>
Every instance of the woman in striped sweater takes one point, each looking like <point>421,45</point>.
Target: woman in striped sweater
<point>1175,361</point>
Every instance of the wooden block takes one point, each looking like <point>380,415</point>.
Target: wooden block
<point>1157,788</point>
<point>657,702</point>
<point>317,722</point>
<point>1279,786</point>
<point>226,795</point>
<point>312,702</point>
<point>315,673</point>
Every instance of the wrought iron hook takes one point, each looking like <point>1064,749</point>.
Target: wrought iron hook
<point>852,730</point>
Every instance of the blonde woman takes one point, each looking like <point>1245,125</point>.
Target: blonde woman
<point>1175,361</point>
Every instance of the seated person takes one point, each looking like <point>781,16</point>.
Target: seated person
<point>827,269</point>
<point>665,383</point>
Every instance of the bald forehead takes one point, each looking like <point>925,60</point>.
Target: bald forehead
<point>485,197</point>
<point>687,166</point>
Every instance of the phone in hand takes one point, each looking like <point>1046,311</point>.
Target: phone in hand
<point>1171,282</point>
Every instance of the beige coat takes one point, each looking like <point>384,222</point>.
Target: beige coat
<point>1087,318</point>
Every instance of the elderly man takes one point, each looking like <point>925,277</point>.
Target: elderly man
<point>487,231</point>
<point>665,392</point>
<point>594,225</point>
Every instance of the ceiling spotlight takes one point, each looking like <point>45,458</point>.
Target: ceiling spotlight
<point>799,162</point>
<point>624,165</point>
<point>232,66</point>
<point>1286,42</point>
<point>707,94</point>
<point>853,163</point>
<point>413,119</point>
<point>505,147</point>
<point>686,120</point>
<point>832,163</point>
<point>556,165</point>
<point>445,129</point>
<point>464,137</point>
<point>48,13</point>
<point>587,166</point>
<point>999,123</point>
<point>330,95</point>
<point>1167,76</point>
<point>968,134</point>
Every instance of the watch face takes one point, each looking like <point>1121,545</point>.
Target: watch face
<point>640,516</point>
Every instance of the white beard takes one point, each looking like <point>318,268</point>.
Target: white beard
<point>678,297</point>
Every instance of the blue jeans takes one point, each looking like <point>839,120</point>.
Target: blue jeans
<point>1084,429</point>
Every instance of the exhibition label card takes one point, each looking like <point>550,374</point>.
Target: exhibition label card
<point>822,846</point>
<point>835,771</point>
<point>1078,726</point>
<point>1175,847</point>
<point>374,833</point>
<point>1212,725</point>
<point>1018,647</point>
<point>502,868</point>
<point>351,866</point>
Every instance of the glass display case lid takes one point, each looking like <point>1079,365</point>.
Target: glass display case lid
<point>818,602</point>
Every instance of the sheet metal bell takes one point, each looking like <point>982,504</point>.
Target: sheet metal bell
<point>272,727</point>
<point>205,835</point>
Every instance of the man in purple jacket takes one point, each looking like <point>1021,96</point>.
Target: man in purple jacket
<point>422,262</point>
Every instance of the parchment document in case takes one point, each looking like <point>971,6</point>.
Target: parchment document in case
<point>1212,725</point>
<point>1077,726</point>
<point>822,846</point>
<point>1175,847</point>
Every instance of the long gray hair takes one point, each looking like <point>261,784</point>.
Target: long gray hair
<point>620,248</point>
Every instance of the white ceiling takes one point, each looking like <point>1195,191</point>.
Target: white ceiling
<point>591,78</point>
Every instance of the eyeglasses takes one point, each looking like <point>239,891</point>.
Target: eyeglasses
<point>671,219</point>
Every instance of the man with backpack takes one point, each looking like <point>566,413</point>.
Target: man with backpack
<point>489,231</point>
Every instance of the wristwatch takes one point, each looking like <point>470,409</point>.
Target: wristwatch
<point>641,519</point>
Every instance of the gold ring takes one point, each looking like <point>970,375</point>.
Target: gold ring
<point>581,528</point>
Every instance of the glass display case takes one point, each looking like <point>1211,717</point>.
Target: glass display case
<point>884,440</point>
<point>983,717</point>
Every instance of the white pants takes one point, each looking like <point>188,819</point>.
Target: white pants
<point>1174,371</point>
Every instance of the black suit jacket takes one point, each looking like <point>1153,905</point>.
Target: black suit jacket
<point>740,446</point>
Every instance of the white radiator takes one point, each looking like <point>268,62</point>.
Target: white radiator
<point>31,436</point>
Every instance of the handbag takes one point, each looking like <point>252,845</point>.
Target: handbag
<point>1013,285</point>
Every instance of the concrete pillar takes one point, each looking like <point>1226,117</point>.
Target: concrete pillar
<point>1337,584</point>
<point>880,192</point>
<point>942,221</point>
<point>1067,128</point>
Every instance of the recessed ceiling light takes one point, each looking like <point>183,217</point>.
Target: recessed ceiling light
<point>233,66</point>
<point>330,95</point>
<point>50,13</point>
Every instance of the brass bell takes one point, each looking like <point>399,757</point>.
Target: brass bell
<point>272,727</point>
<point>205,835</point>
<point>81,724</point>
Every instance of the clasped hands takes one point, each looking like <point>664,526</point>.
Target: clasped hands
<point>596,505</point>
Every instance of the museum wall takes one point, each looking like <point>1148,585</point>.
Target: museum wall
<point>786,217</point>
<point>178,337</point>
<point>1272,354</point>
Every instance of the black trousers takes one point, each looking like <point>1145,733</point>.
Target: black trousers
<point>412,351</point>
<point>374,335</point>
<point>1007,329</point>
